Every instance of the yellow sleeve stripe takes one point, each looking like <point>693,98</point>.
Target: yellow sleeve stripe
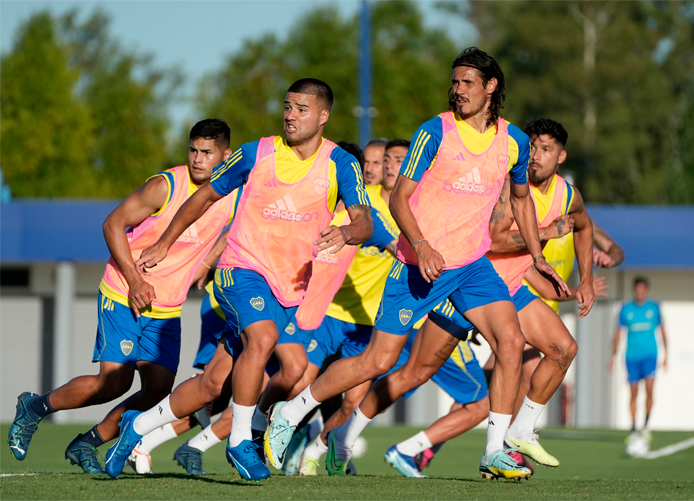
<point>229,163</point>
<point>389,228</point>
<point>422,140</point>
<point>361,190</point>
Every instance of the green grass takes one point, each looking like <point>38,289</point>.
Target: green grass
<point>594,466</point>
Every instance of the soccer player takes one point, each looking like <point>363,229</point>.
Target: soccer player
<point>641,317</point>
<point>373,161</point>
<point>292,185</point>
<point>139,324</point>
<point>442,201</point>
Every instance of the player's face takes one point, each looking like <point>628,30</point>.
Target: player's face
<point>470,95</point>
<point>546,154</point>
<point>203,157</point>
<point>391,165</point>
<point>304,117</point>
<point>373,164</point>
<point>640,293</point>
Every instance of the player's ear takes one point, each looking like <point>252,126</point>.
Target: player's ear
<point>227,154</point>
<point>324,115</point>
<point>562,157</point>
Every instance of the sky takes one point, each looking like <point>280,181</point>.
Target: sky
<point>199,35</point>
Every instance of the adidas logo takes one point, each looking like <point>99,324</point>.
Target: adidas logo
<point>285,209</point>
<point>189,235</point>
<point>459,157</point>
<point>470,184</point>
<point>271,183</point>
<point>324,257</point>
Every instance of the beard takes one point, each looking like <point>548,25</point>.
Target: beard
<point>538,176</point>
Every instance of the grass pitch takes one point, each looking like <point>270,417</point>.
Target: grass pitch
<point>594,466</point>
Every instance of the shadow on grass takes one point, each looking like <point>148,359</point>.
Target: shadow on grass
<point>180,476</point>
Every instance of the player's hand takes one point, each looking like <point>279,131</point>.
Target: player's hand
<point>333,238</point>
<point>610,365</point>
<point>150,257</point>
<point>585,295</point>
<point>602,259</point>
<point>548,273</point>
<point>430,262</point>
<point>200,276</point>
<point>600,286</point>
<point>560,226</point>
<point>141,295</point>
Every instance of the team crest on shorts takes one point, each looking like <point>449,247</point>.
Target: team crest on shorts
<point>312,346</point>
<point>258,303</point>
<point>291,329</point>
<point>405,316</point>
<point>126,347</point>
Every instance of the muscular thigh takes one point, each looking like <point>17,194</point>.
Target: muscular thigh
<point>542,327</point>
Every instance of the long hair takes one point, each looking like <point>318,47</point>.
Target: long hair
<point>489,68</point>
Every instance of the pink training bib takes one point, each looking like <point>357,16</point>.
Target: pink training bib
<point>172,277</point>
<point>329,272</point>
<point>455,198</point>
<point>511,266</point>
<point>276,224</point>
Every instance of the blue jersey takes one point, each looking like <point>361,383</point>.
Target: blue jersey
<point>641,322</point>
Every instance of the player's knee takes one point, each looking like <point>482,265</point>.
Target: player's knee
<point>572,348</point>
<point>383,362</point>
<point>262,345</point>
<point>210,386</point>
<point>511,344</point>
<point>113,385</point>
<point>294,371</point>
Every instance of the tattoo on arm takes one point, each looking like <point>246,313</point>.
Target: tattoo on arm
<point>500,207</point>
<point>560,226</point>
<point>392,247</point>
<point>359,207</point>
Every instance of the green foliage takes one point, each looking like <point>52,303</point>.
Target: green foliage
<point>410,74</point>
<point>613,73</point>
<point>81,117</point>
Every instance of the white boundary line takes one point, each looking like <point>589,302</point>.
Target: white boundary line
<point>18,474</point>
<point>671,449</point>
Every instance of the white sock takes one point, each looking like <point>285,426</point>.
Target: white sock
<point>414,445</point>
<point>241,424</point>
<point>349,432</point>
<point>156,438</point>
<point>259,420</point>
<point>159,415</point>
<point>496,431</point>
<point>298,408</point>
<point>316,449</point>
<point>524,424</point>
<point>204,440</point>
<point>315,427</point>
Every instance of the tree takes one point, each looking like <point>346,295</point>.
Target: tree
<point>410,74</point>
<point>47,133</point>
<point>81,117</point>
<point>600,68</point>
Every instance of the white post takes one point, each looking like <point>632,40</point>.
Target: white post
<point>64,304</point>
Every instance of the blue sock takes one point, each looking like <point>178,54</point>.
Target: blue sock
<point>41,406</point>
<point>92,437</point>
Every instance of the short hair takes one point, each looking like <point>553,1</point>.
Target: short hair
<point>397,142</point>
<point>378,142</point>
<point>489,68</point>
<point>354,149</point>
<point>314,87</point>
<point>212,128</point>
<point>538,126</point>
<point>641,280</point>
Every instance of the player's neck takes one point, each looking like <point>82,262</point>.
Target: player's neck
<point>543,187</point>
<point>478,121</point>
<point>307,148</point>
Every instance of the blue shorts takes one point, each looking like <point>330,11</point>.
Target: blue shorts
<point>292,334</point>
<point>523,297</point>
<point>125,339</point>
<point>448,318</point>
<point>642,368</point>
<point>408,297</point>
<point>460,376</point>
<point>246,298</point>
<point>210,332</point>
<point>333,334</point>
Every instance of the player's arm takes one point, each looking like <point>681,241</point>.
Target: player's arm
<point>608,253</point>
<point>664,338</point>
<point>350,185</point>
<point>384,237</point>
<point>209,260</point>
<point>583,245</point>
<point>504,239</point>
<point>546,290</point>
<point>615,347</point>
<point>523,210</point>
<point>141,204</point>
<point>228,176</point>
